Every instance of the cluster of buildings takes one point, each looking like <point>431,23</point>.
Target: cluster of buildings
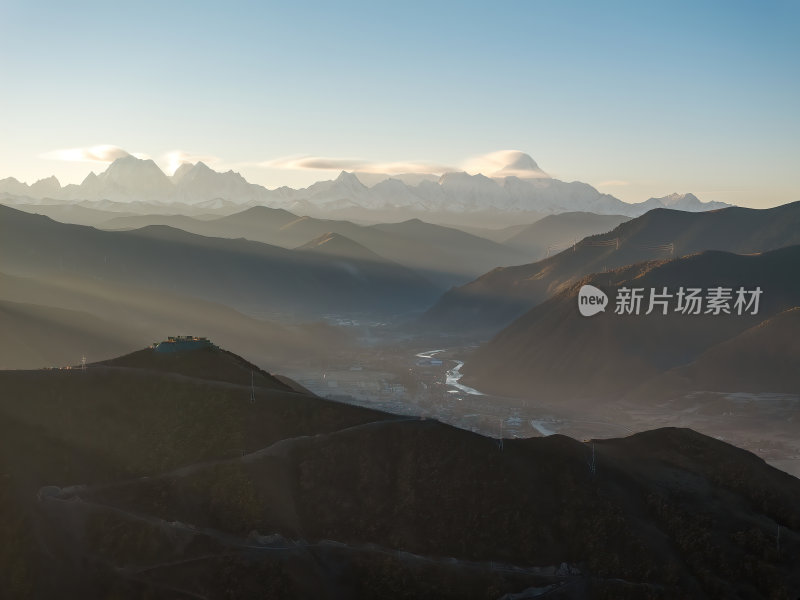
<point>182,342</point>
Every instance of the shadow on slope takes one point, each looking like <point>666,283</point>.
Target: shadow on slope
<point>495,299</point>
<point>128,481</point>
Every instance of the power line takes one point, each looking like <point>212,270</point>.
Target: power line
<point>252,389</point>
<point>616,243</point>
<point>584,242</point>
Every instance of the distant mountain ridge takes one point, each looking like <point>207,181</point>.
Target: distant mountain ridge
<point>335,244</point>
<point>519,187</point>
<point>551,234</point>
<point>445,255</point>
<point>253,277</point>
<point>498,297</point>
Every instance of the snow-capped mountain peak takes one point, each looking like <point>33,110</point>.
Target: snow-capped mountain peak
<point>675,198</point>
<point>520,165</point>
<point>515,185</point>
<point>181,171</point>
<point>134,178</point>
<point>350,180</point>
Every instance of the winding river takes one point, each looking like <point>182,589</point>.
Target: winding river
<point>454,375</point>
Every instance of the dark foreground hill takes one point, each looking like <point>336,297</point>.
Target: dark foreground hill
<point>138,479</point>
<point>497,298</point>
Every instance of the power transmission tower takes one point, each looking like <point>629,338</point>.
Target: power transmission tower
<point>500,440</point>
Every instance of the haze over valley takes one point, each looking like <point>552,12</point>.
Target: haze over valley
<point>411,317</point>
<point>474,326</point>
<point>337,301</point>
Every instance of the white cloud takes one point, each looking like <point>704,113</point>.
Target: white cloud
<point>504,163</point>
<point>494,164</point>
<point>324,163</point>
<point>105,153</point>
<point>488,163</point>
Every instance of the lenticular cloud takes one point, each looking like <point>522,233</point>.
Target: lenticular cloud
<point>105,153</point>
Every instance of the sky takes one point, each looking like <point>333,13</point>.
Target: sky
<point>639,99</point>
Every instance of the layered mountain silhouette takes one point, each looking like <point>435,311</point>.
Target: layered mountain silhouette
<point>444,255</point>
<point>553,233</point>
<point>196,474</point>
<point>192,224</point>
<point>334,244</point>
<point>553,350</point>
<point>250,276</point>
<point>494,300</point>
<point>66,212</point>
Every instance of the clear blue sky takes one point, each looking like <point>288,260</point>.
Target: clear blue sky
<point>637,98</point>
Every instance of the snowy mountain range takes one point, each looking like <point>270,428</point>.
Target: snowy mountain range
<point>520,188</point>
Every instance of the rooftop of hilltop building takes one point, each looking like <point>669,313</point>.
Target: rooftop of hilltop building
<point>182,342</point>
